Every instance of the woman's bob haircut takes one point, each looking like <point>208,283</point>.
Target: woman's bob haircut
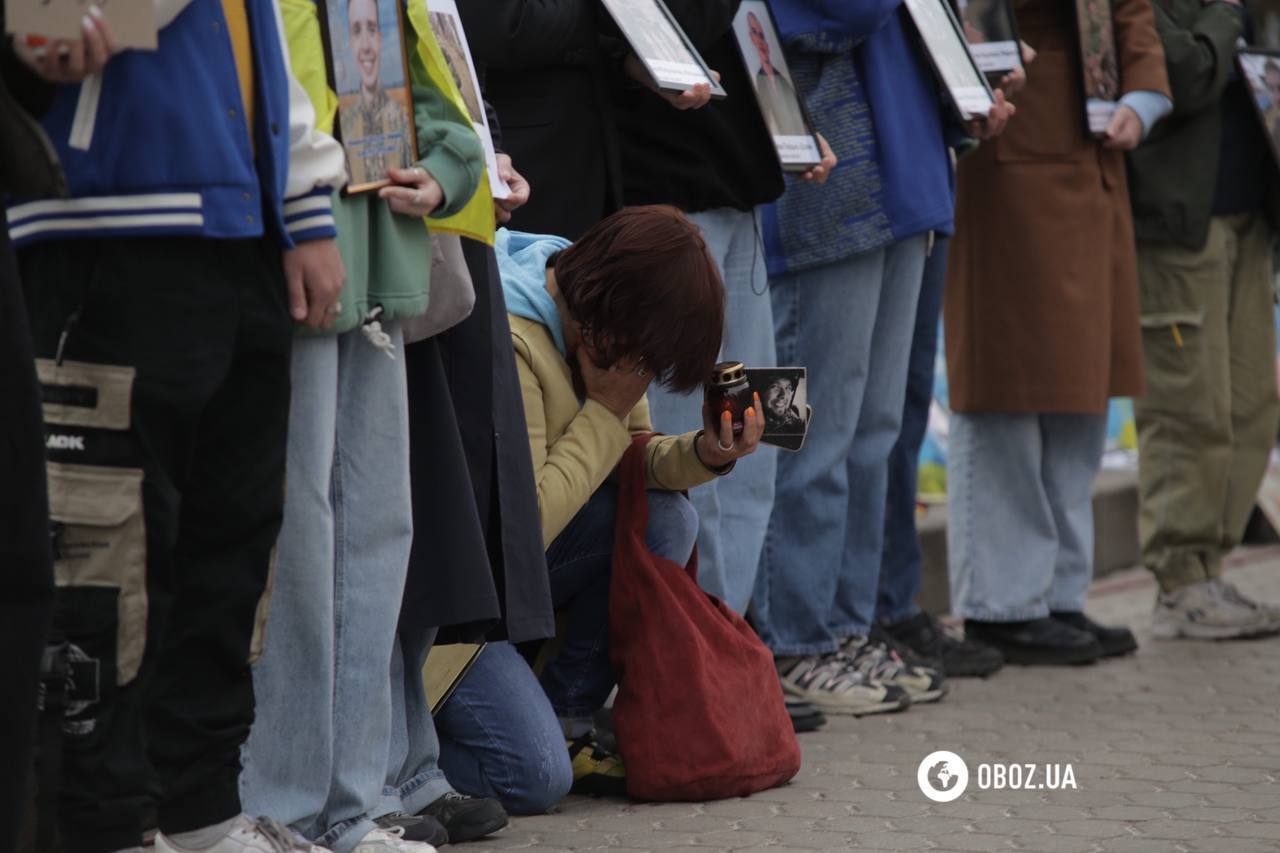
<point>642,285</point>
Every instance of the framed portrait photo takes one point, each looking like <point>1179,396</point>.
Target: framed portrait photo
<point>365,55</point>
<point>991,30</point>
<point>446,24</point>
<point>950,56</point>
<point>1260,69</point>
<point>661,45</point>
<point>783,396</point>
<point>1097,39</point>
<point>783,111</point>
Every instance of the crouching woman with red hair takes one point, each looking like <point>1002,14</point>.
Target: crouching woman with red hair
<point>636,300</point>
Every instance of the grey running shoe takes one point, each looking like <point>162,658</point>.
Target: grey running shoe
<point>1210,610</point>
<point>834,686</point>
<point>882,662</point>
<point>1235,596</point>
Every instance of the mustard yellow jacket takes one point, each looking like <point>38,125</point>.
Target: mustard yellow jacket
<point>577,445</point>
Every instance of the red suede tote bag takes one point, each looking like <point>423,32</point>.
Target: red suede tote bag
<point>699,713</point>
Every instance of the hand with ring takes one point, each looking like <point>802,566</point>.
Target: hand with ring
<point>415,193</point>
<point>717,446</point>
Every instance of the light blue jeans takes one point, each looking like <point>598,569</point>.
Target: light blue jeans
<point>733,511</point>
<point>1020,513</point>
<point>850,324</point>
<point>412,778</point>
<point>316,755</point>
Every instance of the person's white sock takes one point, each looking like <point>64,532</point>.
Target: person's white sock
<point>198,839</point>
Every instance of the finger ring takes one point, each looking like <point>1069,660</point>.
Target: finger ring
<point>724,449</point>
<point>641,372</point>
<point>334,310</point>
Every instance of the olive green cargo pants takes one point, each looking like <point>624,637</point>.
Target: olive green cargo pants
<point>1209,420</point>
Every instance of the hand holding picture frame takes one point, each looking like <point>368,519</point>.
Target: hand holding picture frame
<point>661,45</point>
<point>783,111</point>
<point>1101,69</point>
<point>133,22</point>
<point>1260,69</point>
<point>367,62</point>
<point>952,61</point>
<point>991,30</point>
<point>446,24</point>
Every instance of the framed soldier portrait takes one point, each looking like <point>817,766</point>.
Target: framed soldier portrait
<point>367,62</point>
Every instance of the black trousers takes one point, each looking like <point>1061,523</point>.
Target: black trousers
<point>26,574</point>
<point>166,413</point>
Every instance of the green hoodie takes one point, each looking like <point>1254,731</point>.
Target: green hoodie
<point>388,255</point>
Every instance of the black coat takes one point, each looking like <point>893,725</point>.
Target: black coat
<point>477,568</point>
<point>553,71</point>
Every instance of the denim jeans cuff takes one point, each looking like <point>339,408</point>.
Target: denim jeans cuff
<point>1066,606</point>
<point>902,614</point>
<point>804,649</point>
<point>423,790</point>
<point>978,614</point>
<point>343,837</point>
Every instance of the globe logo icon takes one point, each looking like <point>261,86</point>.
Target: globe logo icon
<point>942,776</point>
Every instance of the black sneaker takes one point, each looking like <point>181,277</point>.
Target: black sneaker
<point>1114,641</point>
<point>1037,642</point>
<point>804,716</point>
<point>422,827</point>
<point>467,818</point>
<point>957,657</point>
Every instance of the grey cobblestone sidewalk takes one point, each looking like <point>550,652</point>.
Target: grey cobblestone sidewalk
<point>1174,749</point>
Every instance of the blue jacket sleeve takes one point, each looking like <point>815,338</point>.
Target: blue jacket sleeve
<point>830,26</point>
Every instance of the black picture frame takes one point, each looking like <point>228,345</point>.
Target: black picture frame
<point>650,29</point>
<point>995,62</point>
<point>1254,65</point>
<point>797,152</point>
<point>944,43</point>
<point>1099,64</point>
<point>370,155</point>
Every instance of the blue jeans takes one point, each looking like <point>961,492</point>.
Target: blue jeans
<point>500,738</point>
<point>579,679</point>
<point>315,757</point>
<point>850,324</point>
<point>733,511</point>
<point>1020,513</point>
<point>901,570</point>
<point>411,761</point>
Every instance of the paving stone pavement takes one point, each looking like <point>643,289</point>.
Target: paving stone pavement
<point>1176,748</point>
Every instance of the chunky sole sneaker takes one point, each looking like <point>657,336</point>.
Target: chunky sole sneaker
<point>832,685</point>
<point>879,657</point>
<point>1210,610</point>
<point>390,841</point>
<point>596,770</point>
<point>249,835</point>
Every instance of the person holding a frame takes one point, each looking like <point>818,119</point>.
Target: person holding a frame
<point>1041,330</point>
<point>332,712</point>
<point>1205,192</point>
<point>845,261</point>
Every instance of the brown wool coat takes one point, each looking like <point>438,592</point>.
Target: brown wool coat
<point>1042,293</point>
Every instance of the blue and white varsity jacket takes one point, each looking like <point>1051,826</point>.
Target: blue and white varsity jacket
<point>157,143</point>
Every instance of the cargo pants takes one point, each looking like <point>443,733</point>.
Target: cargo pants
<point>1209,419</point>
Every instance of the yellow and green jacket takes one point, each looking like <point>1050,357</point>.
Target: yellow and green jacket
<point>387,255</point>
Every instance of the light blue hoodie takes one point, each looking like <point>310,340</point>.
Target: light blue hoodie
<point>522,263</point>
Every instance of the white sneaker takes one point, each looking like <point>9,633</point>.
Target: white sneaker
<point>833,685</point>
<point>247,835</point>
<point>1210,610</point>
<point>391,841</point>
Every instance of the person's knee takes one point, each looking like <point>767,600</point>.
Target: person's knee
<point>677,517</point>
<point>544,786</point>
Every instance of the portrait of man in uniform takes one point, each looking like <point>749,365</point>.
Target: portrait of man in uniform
<point>375,116</point>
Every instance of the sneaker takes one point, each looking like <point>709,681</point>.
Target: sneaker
<point>834,686</point>
<point>390,841</point>
<point>595,769</point>
<point>416,827</point>
<point>956,657</point>
<point>247,835</point>
<point>466,818</point>
<point>1235,596</point>
<point>1209,610</point>
<point>1113,641</point>
<point>1037,642</point>
<point>804,717</point>
<point>881,659</point>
